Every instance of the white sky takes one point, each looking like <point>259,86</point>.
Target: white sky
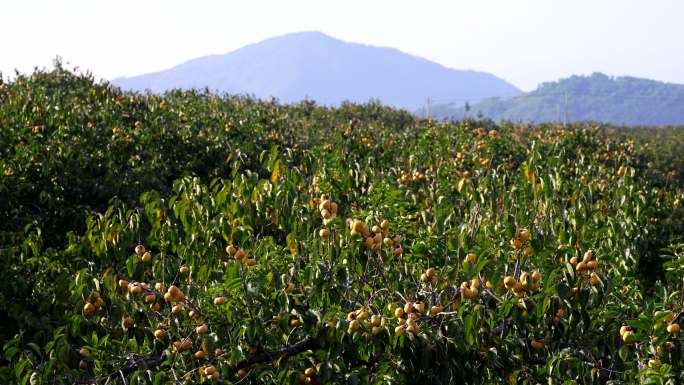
<point>523,41</point>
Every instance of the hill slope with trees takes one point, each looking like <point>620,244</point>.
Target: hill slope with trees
<point>597,98</point>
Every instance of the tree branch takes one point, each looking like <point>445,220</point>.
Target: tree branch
<point>308,343</point>
<point>146,362</point>
<point>501,330</point>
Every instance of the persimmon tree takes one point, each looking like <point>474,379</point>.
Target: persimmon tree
<point>226,240</point>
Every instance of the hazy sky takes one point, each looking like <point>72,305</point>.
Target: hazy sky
<point>523,41</point>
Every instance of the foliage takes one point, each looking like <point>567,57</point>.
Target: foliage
<point>191,238</point>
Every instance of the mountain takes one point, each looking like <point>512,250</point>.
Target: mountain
<point>617,100</point>
<point>312,65</point>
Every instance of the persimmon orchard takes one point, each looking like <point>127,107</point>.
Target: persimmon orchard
<point>191,238</point>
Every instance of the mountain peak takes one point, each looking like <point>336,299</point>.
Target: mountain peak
<point>301,40</point>
<point>314,65</point>
<point>306,35</point>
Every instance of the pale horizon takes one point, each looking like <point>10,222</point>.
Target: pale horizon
<point>524,42</point>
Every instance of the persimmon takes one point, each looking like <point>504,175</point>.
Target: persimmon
<point>669,317</point>
<point>628,336</point>
<point>621,171</point>
<point>174,291</point>
<point>289,287</point>
<point>536,276</point>
<point>470,258</point>
<point>128,322</point>
<point>186,344</point>
<point>581,266</point>
<point>89,309</point>
<point>399,312</point>
<point>140,250</point>
<point>160,334</point>
<point>324,205</point>
<point>239,254</point>
<point>250,262</point>
<point>594,279</point>
<point>470,293</point>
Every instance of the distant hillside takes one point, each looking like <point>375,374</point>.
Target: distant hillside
<point>617,100</point>
<point>315,66</point>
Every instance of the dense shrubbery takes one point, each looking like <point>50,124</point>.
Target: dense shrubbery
<point>196,238</point>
